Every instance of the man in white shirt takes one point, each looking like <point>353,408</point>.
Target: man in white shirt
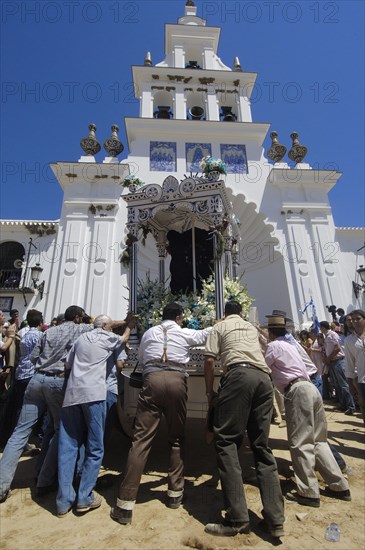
<point>306,421</point>
<point>83,415</point>
<point>355,357</point>
<point>164,354</point>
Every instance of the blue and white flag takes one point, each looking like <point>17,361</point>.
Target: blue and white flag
<point>311,304</point>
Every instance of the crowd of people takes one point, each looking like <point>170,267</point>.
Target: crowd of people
<point>63,379</point>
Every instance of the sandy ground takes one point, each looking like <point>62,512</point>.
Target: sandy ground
<point>28,523</point>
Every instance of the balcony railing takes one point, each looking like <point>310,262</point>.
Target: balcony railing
<point>10,279</point>
<point>16,280</point>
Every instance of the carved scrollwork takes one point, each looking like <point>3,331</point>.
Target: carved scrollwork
<point>170,185</point>
<point>216,204</point>
<point>132,215</point>
<point>144,214</point>
<point>187,186</point>
<point>152,191</point>
<point>201,207</point>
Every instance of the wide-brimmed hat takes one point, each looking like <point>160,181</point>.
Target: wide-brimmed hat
<point>276,321</point>
<point>280,313</point>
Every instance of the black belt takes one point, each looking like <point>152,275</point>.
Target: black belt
<point>244,365</point>
<point>299,379</point>
<point>53,374</point>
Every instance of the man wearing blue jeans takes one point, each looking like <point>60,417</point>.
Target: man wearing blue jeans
<point>44,393</point>
<point>335,359</point>
<point>83,415</point>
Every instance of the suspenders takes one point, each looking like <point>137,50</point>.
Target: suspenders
<point>164,353</point>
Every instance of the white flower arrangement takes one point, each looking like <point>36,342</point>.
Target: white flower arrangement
<point>132,180</point>
<point>212,164</point>
<point>199,310</point>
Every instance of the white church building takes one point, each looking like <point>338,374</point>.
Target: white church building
<point>274,223</point>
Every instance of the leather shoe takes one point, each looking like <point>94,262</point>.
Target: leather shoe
<point>124,517</point>
<point>174,502</point>
<point>304,501</point>
<point>276,531</point>
<point>222,530</point>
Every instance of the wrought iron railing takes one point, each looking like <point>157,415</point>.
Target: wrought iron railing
<point>16,279</point>
<point>10,279</point>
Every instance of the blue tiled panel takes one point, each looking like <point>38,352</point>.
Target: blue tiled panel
<point>162,156</point>
<point>194,153</point>
<point>235,158</point>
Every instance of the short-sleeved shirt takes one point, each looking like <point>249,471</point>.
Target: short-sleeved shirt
<point>25,368</point>
<point>331,340</point>
<point>87,360</point>
<point>285,363</point>
<point>235,341</point>
<point>50,353</point>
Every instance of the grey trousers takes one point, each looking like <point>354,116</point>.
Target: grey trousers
<point>164,392</point>
<point>245,401</point>
<point>307,438</point>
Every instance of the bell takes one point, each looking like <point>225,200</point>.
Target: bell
<point>164,111</point>
<point>227,115</point>
<point>192,65</point>
<point>196,113</point>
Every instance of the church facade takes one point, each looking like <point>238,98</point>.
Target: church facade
<point>273,222</point>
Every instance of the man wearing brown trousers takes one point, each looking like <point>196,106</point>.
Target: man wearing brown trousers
<point>164,353</point>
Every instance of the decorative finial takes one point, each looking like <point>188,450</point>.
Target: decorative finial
<point>148,59</point>
<point>189,3</point>
<point>297,151</point>
<point>237,64</point>
<point>112,145</point>
<point>90,144</point>
<point>276,151</point>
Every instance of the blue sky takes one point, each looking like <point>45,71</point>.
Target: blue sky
<point>65,64</point>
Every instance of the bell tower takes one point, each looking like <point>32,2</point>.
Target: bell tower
<point>190,93</point>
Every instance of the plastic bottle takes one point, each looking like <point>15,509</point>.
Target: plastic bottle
<point>332,533</point>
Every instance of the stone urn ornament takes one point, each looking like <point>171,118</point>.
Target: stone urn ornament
<point>90,144</point>
<point>113,146</point>
<point>297,151</point>
<point>276,151</point>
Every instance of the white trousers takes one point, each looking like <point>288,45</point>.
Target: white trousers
<point>307,438</point>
